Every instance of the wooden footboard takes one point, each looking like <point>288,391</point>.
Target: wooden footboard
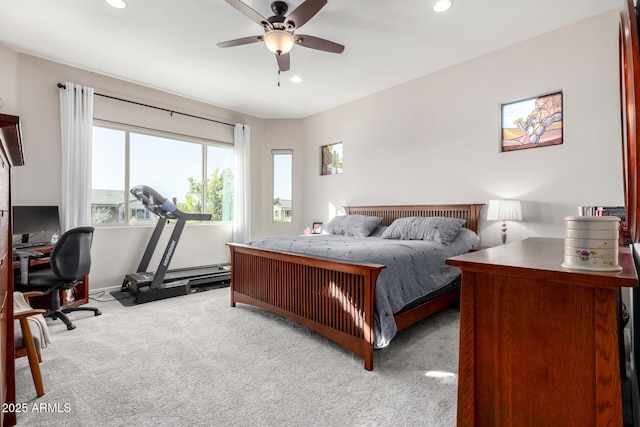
<point>334,298</point>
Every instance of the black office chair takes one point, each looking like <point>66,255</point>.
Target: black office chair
<point>70,261</point>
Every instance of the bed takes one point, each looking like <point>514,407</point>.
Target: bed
<point>337,298</point>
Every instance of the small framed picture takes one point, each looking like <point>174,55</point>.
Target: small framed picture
<point>331,159</point>
<point>317,228</point>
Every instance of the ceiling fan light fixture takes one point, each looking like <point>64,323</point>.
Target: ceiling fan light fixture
<point>442,5</point>
<point>279,42</point>
<point>119,4</point>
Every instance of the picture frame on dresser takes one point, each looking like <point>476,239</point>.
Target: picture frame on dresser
<point>317,228</point>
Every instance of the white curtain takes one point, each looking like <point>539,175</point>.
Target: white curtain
<point>76,122</point>
<point>242,179</point>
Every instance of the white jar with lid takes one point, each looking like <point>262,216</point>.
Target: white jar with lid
<point>591,243</point>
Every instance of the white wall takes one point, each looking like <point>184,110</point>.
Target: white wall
<point>8,77</point>
<point>436,139</point>
<point>281,134</point>
<point>116,250</point>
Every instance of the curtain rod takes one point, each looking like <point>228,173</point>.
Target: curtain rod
<point>172,112</point>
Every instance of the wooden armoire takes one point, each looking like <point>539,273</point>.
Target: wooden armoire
<point>10,156</point>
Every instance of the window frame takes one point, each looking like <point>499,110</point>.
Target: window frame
<point>274,152</point>
<point>128,129</point>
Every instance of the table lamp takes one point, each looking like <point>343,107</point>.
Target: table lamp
<point>504,210</point>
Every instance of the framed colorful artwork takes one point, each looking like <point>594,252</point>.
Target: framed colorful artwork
<point>533,122</point>
<point>331,159</point>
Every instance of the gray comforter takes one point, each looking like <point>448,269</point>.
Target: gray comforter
<point>414,267</point>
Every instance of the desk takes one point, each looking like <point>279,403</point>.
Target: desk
<point>80,292</point>
<point>538,342</point>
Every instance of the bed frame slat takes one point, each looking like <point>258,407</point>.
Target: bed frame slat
<point>334,298</point>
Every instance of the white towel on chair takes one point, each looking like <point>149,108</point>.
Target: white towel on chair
<point>38,323</point>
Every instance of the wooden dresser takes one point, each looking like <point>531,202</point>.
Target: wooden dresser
<point>538,342</point>
<point>10,155</point>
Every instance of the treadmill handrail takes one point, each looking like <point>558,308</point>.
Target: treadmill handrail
<point>163,207</point>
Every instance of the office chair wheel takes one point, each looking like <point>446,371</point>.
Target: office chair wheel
<point>59,315</point>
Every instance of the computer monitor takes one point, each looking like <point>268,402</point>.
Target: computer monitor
<point>32,220</point>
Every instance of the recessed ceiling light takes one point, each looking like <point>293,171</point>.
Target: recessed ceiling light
<point>120,4</point>
<point>442,5</point>
<point>296,79</point>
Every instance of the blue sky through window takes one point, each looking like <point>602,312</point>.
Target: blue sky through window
<point>282,176</point>
<point>161,163</point>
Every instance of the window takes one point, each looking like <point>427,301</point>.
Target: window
<point>108,176</point>
<point>282,185</point>
<point>197,174</point>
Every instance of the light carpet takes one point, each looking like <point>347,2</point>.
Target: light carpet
<point>196,361</point>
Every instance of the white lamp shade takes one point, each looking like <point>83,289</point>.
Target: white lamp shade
<point>504,210</point>
<point>279,42</point>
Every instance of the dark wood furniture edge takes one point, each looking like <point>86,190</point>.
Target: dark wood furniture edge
<point>630,114</point>
<point>266,264</point>
<point>477,261</point>
<point>11,137</point>
<point>414,315</point>
<point>12,155</point>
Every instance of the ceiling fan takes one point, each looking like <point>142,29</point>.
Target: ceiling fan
<point>279,36</point>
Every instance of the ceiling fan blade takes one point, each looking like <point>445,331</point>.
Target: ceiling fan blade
<point>317,43</point>
<point>247,11</point>
<point>284,62</point>
<point>303,13</point>
<point>239,42</point>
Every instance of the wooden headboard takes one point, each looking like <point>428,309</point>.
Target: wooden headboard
<point>389,214</point>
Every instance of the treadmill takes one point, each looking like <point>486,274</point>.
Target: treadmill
<point>164,283</point>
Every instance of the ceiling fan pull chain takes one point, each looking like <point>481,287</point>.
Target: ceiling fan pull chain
<point>278,78</point>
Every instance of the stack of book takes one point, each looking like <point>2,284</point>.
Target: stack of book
<point>618,211</point>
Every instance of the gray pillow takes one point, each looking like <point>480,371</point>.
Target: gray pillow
<point>378,231</point>
<point>437,229</point>
<point>353,225</point>
<point>466,238</point>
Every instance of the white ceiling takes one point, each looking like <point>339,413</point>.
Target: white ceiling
<point>171,45</point>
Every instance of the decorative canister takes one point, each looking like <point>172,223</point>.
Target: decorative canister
<point>591,243</point>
